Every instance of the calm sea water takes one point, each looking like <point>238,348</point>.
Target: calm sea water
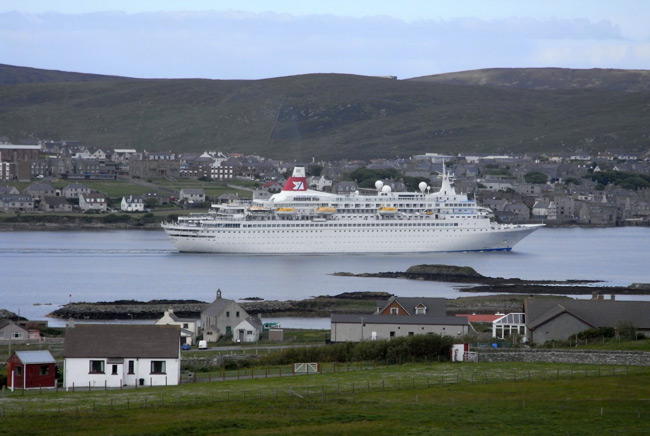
<point>41,270</point>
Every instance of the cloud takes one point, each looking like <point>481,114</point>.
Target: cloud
<point>241,45</point>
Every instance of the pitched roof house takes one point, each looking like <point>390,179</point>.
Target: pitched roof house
<point>116,355</point>
<point>10,331</point>
<point>220,318</point>
<point>31,370</point>
<point>398,317</point>
<point>248,330</point>
<point>410,306</point>
<point>93,201</point>
<point>192,195</point>
<point>74,190</point>
<point>548,320</point>
<point>189,327</point>
<point>55,204</point>
<point>132,203</point>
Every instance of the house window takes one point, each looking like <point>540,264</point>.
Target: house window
<point>420,310</point>
<point>16,335</point>
<point>186,325</point>
<point>44,370</point>
<point>227,313</point>
<point>114,370</point>
<point>96,367</point>
<point>394,310</point>
<point>410,333</point>
<point>237,314</point>
<point>392,334</point>
<point>18,370</point>
<point>249,332</point>
<point>131,367</point>
<point>158,367</point>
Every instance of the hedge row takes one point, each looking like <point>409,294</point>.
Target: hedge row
<point>411,348</point>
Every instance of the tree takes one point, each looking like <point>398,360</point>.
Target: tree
<point>626,329</point>
<point>314,170</point>
<point>536,177</point>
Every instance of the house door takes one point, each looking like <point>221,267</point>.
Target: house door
<point>130,373</point>
<point>241,335</point>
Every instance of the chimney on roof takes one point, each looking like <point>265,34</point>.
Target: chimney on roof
<point>218,293</point>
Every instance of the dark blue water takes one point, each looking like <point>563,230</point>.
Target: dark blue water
<point>41,270</point>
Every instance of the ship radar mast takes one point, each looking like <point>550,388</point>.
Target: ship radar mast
<point>446,188</point>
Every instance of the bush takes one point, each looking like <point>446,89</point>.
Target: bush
<point>626,329</point>
<point>418,347</point>
<point>608,332</point>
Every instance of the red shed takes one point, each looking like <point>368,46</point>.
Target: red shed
<point>31,370</point>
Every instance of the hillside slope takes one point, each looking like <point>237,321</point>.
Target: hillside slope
<point>547,79</point>
<point>329,116</point>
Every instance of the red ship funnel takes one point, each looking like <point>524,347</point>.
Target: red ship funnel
<point>297,181</point>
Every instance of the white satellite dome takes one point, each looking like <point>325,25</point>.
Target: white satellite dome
<point>423,186</point>
<point>379,184</point>
<point>385,189</point>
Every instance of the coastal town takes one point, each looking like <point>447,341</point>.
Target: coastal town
<point>574,188</point>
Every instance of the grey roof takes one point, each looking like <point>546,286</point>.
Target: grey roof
<point>5,322</point>
<point>394,319</point>
<point>218,306</point>
<point>33,357</point>
<point>435,306</point>
<point>122,340</point>
<point>597,313</point>
<point>255,321</point>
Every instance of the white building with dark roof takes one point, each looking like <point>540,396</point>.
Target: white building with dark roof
<point>132,203</point>
<point>115,355</point>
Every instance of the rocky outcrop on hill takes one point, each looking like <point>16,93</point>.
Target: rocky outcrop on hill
<point>6,314</point>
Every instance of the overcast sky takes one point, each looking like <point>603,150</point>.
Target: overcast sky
<point>262,39</point>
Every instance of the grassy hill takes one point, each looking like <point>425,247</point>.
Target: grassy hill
<point>329,116</point>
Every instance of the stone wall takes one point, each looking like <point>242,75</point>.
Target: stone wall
<point>637,358</point>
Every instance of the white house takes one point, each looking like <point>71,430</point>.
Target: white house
<point>132,204</point>
<point>189,327</point>
<point>248,330</point>
<point>116,355</point>
<point>93,201</point>
<point>191,195</point>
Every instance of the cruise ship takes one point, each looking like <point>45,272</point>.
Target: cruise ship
<point>301,220</point>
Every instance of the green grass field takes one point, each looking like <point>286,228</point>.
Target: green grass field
<point>413,399</point>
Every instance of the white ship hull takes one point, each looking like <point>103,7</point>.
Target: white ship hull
<point>348,240</point>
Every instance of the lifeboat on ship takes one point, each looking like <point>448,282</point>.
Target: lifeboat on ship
<point>387,210</point>
<point>285,211</point>
<point>325,210</point>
